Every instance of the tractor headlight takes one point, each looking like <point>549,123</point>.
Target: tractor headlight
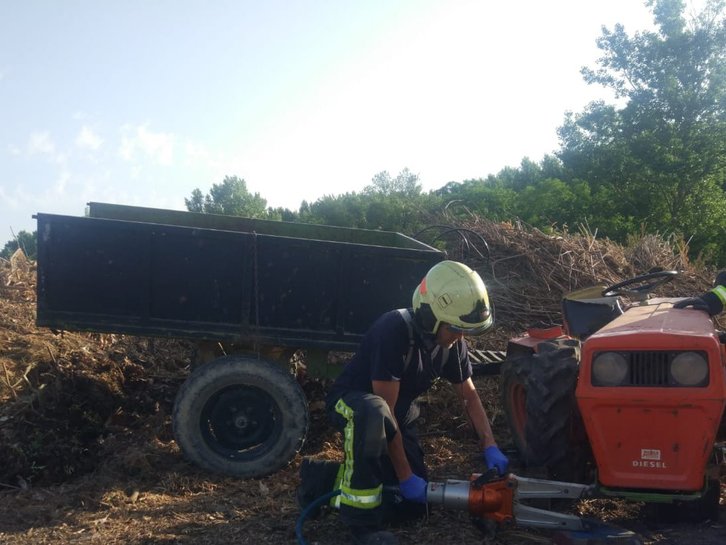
<point>609,369</point>
<point>689,369</point>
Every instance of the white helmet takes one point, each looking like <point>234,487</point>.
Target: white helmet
<point>453,293</point>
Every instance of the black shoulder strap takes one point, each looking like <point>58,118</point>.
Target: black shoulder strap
<point>406,315</point>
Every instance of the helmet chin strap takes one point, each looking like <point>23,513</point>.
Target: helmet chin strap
<point>427,337</point>
<point>428,343</point>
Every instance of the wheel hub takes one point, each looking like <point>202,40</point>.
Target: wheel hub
<point>239,418</point>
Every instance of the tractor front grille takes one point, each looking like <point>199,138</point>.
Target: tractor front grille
<point>650,368</point>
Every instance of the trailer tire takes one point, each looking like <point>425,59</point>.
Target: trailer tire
<point>555,434</point>
<point>240,416</point>
<point>513,397</point>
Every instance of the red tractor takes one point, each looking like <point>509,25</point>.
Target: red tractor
<point>628,396</point>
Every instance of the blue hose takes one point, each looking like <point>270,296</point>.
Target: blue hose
<point>301,519</point>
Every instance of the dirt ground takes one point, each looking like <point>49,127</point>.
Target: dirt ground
<point>87,453</point>
<point>144,493</point>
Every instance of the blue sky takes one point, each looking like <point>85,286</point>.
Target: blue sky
<point>140,102</point>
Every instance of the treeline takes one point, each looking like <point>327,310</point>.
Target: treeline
<point>654,162</point>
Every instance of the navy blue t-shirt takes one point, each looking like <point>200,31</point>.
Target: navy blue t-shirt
<point>382,356</point>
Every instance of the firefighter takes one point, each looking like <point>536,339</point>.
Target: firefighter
<point>713,301</point>
<point>372,403</point>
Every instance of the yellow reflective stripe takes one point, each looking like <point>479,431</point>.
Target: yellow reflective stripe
<point>335,500</point>
<point>362,499</point>
<point>346,412</point>
<point>720,292</point>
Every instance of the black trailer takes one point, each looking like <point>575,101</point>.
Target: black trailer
<point>250,293</point>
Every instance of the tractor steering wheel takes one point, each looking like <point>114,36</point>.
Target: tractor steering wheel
<point>639,287</point>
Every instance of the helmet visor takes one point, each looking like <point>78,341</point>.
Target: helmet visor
<point>470,331</point>
<point>474,323</point>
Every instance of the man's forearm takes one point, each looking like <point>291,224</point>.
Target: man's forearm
<point>477,416</point>
<point>398,458</point>
<point>480,423</point>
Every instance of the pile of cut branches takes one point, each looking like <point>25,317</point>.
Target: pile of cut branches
<point>528,271</point>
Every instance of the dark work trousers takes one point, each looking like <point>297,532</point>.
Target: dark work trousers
<point>367,426</point>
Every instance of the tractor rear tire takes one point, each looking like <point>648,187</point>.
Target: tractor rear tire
<point>240,416</point>
<point>694,511</point>
<point>555,435</point>
<point>513,394</point>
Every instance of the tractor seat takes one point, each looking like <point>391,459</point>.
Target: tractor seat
<point>585,315</point>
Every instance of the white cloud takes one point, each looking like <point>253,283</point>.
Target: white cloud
<point>9,200</point>
<point>40,143</point>
<point>62,182</point>
<point>127,148</point>
<point>158,146</point>
<point>196,154</point>
<point>88,139</point>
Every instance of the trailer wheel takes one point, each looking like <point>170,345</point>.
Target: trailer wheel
<point>513,392</point>
<point>240,416</point>
<point>555,434</point>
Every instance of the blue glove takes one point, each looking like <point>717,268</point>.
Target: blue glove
<point>496,459</point>
<point>414,489</point>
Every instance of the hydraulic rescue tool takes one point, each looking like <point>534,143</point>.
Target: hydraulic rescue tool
<point>497,501</point>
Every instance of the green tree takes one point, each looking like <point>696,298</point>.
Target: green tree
<point>390,204</point>
<point>491,198</point>
<point>659,159</point>
<point>548,203</point>
<point>231,198</point>
<point>27,241</point>
<point>284,214</point>
<point>404,184</point>
<point>394,204</point>
<point>340,210</point>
